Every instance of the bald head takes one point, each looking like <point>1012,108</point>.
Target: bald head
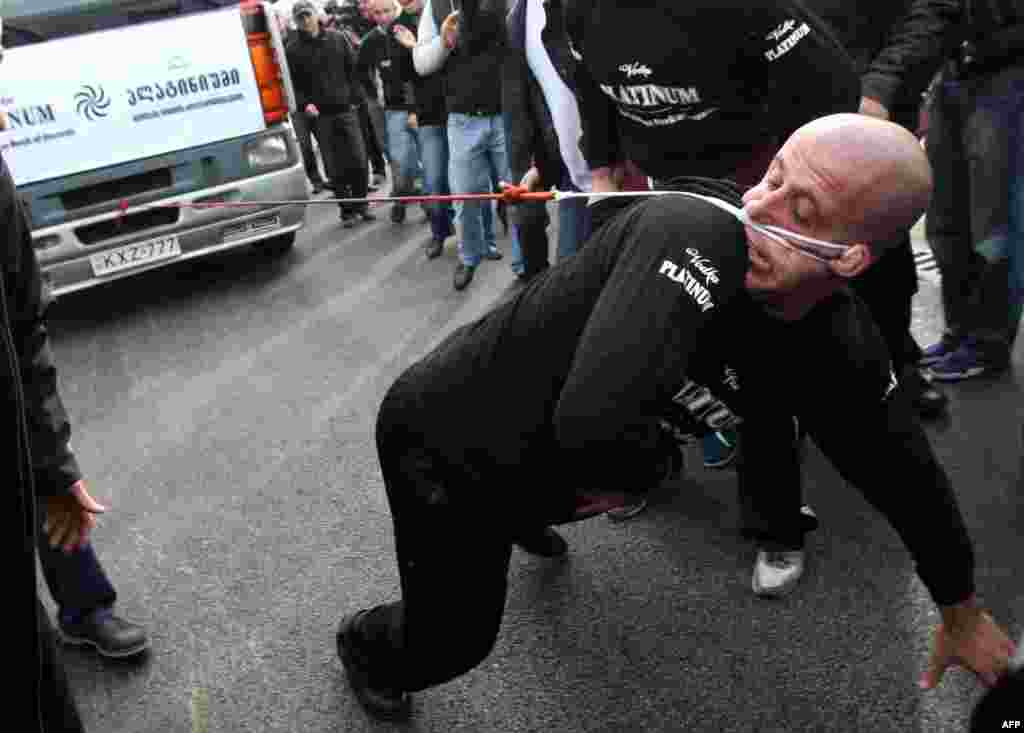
<point>882,173</point>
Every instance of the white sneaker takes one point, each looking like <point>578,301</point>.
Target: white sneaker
<point>777,573</point>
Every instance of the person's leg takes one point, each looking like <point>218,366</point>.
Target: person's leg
<point>468,174</point>
<point>446,622</point>
<point>402,158</point>
<point>85,601</point>
<point>372,124</point>
<point>351,155</point>
<point>887,289</point>
<point>434,150</point>
<point>573,225</point>
<point>57,710</point>
<point>304,135</point>
<point>327,137</point>
<point>531,220</point>
<point>992,139</point>
<point>771,500</point>
<point>497,163</point>
<point>947,224</point>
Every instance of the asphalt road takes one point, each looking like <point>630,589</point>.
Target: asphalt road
<point>224,409</point>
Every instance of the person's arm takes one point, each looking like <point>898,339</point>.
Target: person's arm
<point>300,79</point>
<point>881,448</point>
<point>797,67</point>
<point>430,52</point>
<point>598,116</point>
<point>916,48</point>
<point>634,349</point>
<point>368,57</point>
<point>54,466</point>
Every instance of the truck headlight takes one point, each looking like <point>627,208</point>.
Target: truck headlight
<point>267,152</point>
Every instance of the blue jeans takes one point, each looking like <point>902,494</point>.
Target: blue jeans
<point>434,152</point>
<point>974,222</point>
<point>478,161</point>
<point>403,151</point>
<point>574,224</point>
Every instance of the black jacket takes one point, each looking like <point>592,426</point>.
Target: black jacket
<point>379,50</point>
<point>532,136</point>
<point>649,322</point>
<point>472,73</point>
<point>323,71</point>
<point>39,461</point>
<point>697,88</point>
<point>931,33</point>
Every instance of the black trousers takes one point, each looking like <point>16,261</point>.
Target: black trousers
<point>341,142</point>
<point>371,121</point>
<point>453,545</point>
<point>304,132</point>
<point>887,288</point>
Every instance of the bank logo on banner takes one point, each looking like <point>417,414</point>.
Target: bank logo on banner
<point>92,102</point>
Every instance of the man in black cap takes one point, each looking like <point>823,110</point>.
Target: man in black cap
<point>324,74</point>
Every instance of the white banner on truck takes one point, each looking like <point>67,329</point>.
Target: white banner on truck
<point>85,102</point>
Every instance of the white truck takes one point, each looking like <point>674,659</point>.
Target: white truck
<point>118,112</point>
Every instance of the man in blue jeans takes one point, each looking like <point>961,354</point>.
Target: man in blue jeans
<point>468,48</point>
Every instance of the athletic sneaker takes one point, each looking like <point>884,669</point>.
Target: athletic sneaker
<point>720,449</point>
<point>776,572</point>
<point>937,352</point>
<point>964,363</point>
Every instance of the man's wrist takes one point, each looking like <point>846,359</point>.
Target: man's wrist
<point>960,615</point>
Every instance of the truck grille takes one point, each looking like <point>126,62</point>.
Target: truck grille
<point>129,224</point>
<point>118,190</point>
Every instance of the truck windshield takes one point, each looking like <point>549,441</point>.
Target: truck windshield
<point>34,21</point>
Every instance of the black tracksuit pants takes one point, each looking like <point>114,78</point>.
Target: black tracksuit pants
<point>341,142</point>
<point>453,559</point>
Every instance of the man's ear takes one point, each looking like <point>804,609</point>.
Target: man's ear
<point>853,262</point>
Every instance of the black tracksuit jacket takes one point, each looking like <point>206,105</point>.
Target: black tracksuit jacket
<point>651,322</point>
<point>693,88</point>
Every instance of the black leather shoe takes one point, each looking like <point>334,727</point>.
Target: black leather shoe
<point>928,401</point>
<point>545,543</point>
<point>382,702</point>
<point>434,249</point>
<point>463,275</point>
<point>111,635</point>
<point>318,188</point>
<point>397,213</point>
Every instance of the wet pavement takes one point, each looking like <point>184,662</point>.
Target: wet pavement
<point>224,409</point>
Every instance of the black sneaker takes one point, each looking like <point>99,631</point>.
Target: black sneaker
<point>348,220</point>
<point>545,543</point>
<point>463,275</point>
<point>382,702</point>
<point>928,401</point>
<point>111,635</point>
<point>367,215</point>
<point>318,188</point>
<point>398,213</point>
<point>434,249</point>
